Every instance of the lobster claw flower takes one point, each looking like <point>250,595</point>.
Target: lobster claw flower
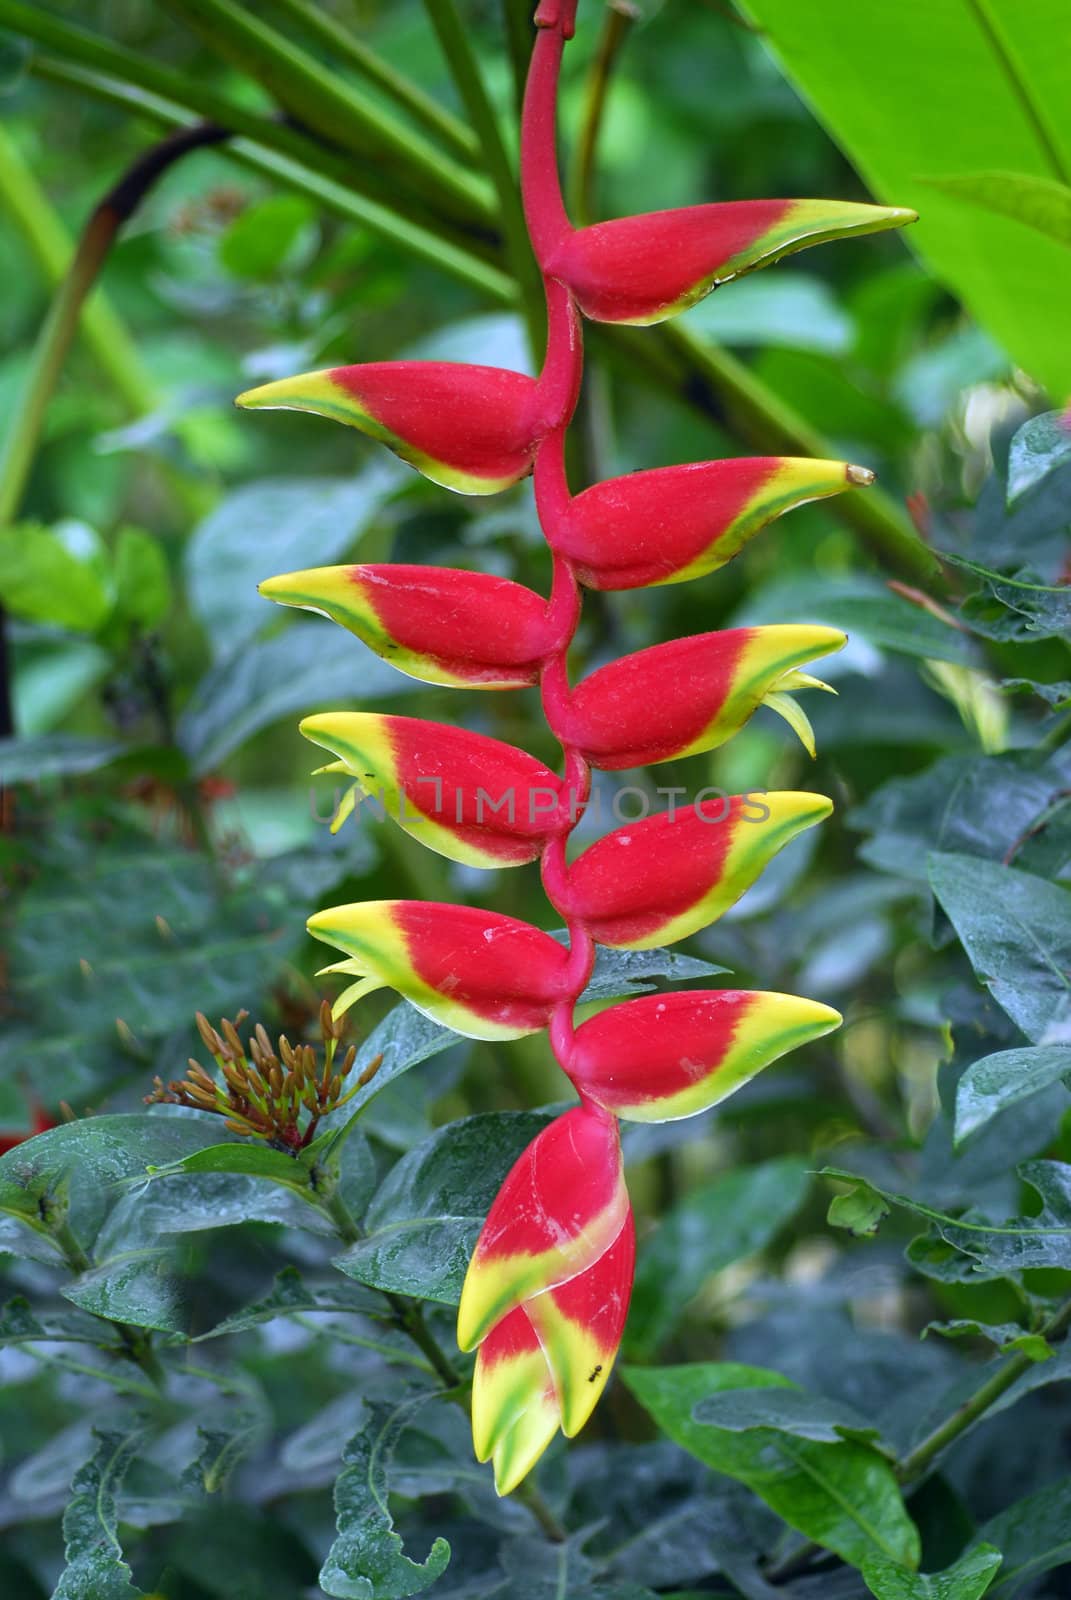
<point>471,798</point>
<point>545,1365</point>
<point>482,974</point>
<point>467,630</point>
<point>620,716</point>
<point>644,269</point>
<point>659,880</point>
<point>669,1056</point>
<point>547,1290</point>
<point>669,524</point>
<point>469,428</point>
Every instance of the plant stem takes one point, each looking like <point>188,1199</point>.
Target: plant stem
<point>517,24</point>
<point>473,91</point>
<point>322,26</point>
<point>620,15</point>
<point>409,1318</point>
<point>346,202</point>
<point>51,246</point>
<point>137,1342</point>
<point>333,108</point>
<point>919,1459</point>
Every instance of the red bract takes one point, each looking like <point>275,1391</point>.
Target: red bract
<point>547,1290</point>
<point>619,716</point>
<point>644,269</point>
<point>464,629</point>
<point>462,794</point>
<point>675,523</point>
<point>486,976</point>
<point>672,1055</point>
<point>473,429</point>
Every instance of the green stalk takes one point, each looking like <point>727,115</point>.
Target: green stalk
<point>620,15</point>
<point>51,246</point>
<point>331,107</point>
<point>918,1460</point>
<point>355,53</point>
<point>142,73</point>
<point>347,203</point>
<point>517,23</point>
<point>473,91</point>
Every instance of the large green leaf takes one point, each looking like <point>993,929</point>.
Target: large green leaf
<point>913,93</point>
<point>1004,1078</point>
<point>1016,930</point>
<point>734,1216</point>
<point>843,1496</point>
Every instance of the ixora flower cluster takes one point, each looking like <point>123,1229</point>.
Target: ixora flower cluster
<point>547,1291</point>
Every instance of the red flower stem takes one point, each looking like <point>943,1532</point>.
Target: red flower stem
<point>559,389</point>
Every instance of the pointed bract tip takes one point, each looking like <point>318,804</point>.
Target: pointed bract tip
<point>861,477</point>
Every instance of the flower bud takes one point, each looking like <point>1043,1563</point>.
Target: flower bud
<point>467,630</point>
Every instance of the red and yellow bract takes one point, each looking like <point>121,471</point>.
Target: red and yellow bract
<point>546,1294</point>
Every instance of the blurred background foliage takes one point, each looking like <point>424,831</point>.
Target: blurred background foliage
<point>163,841</point>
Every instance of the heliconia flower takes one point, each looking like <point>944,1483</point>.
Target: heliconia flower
<point>670,524</point>
<point>473,429</point>
<point>659,880</point>
<point>622,716</point>
<point>562,1206</point>
<point>545,1365</point>
<point>645,269</point>
<point>471,798</point>
<point>668,1056</point>
<point>439,624</point>
<point>484,975</point>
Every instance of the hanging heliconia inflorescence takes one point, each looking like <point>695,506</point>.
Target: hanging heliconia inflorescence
<point>547,1291</point>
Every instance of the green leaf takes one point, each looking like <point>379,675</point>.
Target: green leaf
<point>805,1416</point>
<point>843,1496</point>
<point>273,679</point>
<point>142,579</point>
<point>1016,930</point>
<point>998,1249</point>
<point>41,580</point>
<point>968,1579</point>
<point>989,1085</point>
<point>84,1163</point>
<point>1038,202</point>
<point>290,1297</point>
<point>1006,1336</point>
<point>1038,448</point>
<point>269,237</point>
<point>95,1567</point>
<point>366,1561</point>
<point>1056,695</point>
<point>863,606</point>
<point>21,1324</point>
<point>139,1286</point>
<point>271,526</point>
<point>860,1211</point>
<point>625,972</point>
<point>734,1216</point>
<point>1017,610</point>
<point>985,92</point>
<point>425,1219</point>
<point>245,1160</point>
<point>1035,1536</point>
